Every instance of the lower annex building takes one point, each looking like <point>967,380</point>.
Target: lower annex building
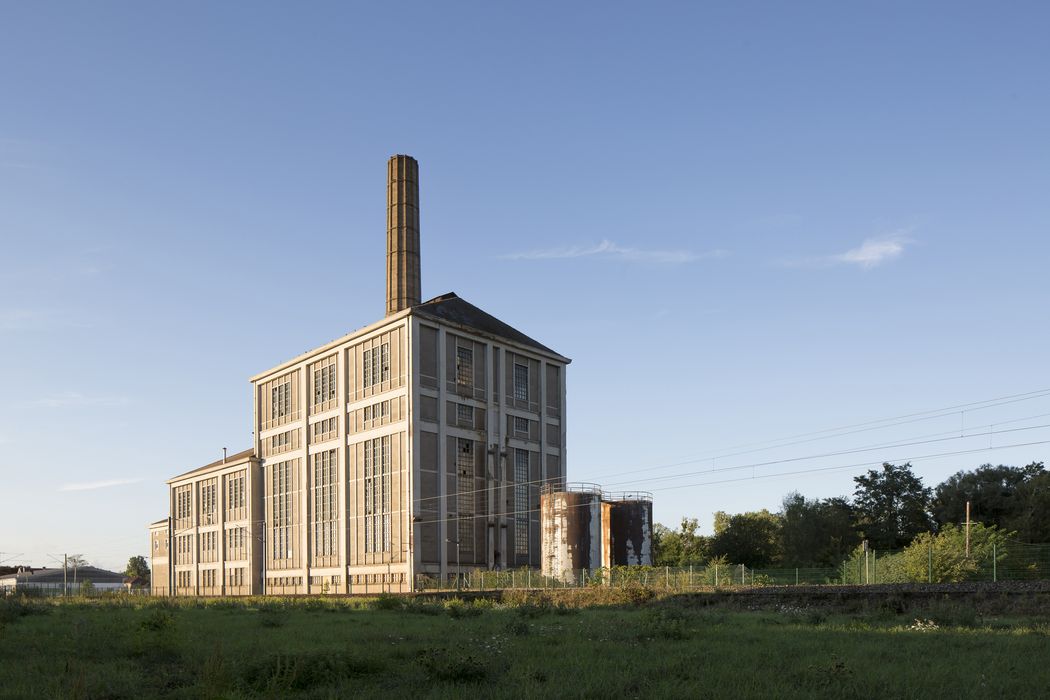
<point>416,446</point>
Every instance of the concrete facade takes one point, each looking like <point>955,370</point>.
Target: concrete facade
<point>215,535</point>
<point>416,446</point>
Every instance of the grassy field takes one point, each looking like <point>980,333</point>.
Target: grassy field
<point>671,647</point>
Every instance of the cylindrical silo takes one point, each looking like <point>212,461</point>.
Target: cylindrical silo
<point>571,525</point>
<point>631,529</point>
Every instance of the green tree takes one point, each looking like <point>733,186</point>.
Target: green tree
<point>681,547</point>
<point>892,506</point>
<point>137,568</point>
<point>752,539</point>
<point>992,491</point>
<point>1032,519</point>
<point>816,532</point>
<point>947,551</point>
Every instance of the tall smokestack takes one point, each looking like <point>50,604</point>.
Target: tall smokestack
<point>402,234</point>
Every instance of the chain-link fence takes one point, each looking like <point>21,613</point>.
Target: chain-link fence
<point>916,564</point>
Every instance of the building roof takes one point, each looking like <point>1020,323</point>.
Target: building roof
<point>447,308</point>
<point>55,575</point>
<point>451,308</point>
<point>217,464</point>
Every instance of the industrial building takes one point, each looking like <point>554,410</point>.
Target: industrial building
<point>416,446</point>
<point>59,581</point>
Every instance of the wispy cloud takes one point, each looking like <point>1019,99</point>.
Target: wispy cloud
<point>75,399</point>
<point>614,251</point>
<point>871,253</point>
<point>92,485</point>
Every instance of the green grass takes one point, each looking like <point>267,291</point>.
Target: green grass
<point>664,648</point>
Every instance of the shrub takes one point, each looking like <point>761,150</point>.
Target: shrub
<point>158,621</point>
<point>453,667</point>
<point>388,601</point>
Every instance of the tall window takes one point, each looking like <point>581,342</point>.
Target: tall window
<point>183,507</point>
<point>377,494</point>
<point>281,400</point>
<point>376,365</point>
<point>324,384</point>
<point>209,501</point>
<point>465,493</point>
<point>324,505</point>
<point>521,382</point>
<point>464,366</point>
<point>281,538</point>
<point>236,543</point>
<point>521,501</point>
<point>235,492</point>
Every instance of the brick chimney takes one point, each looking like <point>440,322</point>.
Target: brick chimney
<point>402,234</point>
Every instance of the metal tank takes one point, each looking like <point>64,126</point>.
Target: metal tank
<point>631,528</point>
<point>571,526</point>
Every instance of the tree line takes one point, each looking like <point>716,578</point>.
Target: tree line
<point>890,508</point>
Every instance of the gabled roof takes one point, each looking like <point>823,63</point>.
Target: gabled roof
<point>55,575</point>
<point>453,309</point>
<point>218,464</point>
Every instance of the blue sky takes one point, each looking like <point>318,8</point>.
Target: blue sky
<point>742,222</point>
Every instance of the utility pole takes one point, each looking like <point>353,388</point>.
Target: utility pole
<point>967,529</point>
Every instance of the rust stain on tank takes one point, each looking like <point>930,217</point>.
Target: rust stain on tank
<point>571,538</point>
<point>631,527</point>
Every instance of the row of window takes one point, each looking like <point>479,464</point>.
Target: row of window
<point>376,365</point>
<point>465,373</point>
<point>325,429</point>
<point>324,383</point>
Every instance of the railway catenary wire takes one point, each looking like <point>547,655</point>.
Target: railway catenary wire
<point>827,433</point>
<point>912,442</point>
<point>776,475</point>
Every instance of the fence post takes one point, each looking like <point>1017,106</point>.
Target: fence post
<point>667,577</point>
<point>995,573</point>
<point>528,580</point>
<point>796,575</point>
<point>875,566</point>
<point>690,585</point>
<point>742,581</point>
<point>716,575</point>
<point>583,579</point>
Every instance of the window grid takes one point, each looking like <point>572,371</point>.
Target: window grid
<point>465,415</point>
<point>325,429</point>
<point>521,382</point>
<point>281,536</point>
<point>521,502</point>
<point>465,494</point>
<point>376,365</point>
<point>521,426</point>
<point>373,415</point>
<point>464,366</point>
<point>281,400</point>
<point>325,506</point>
<point>324,383</point>
<point>209,492</point>
<point>377,494</point>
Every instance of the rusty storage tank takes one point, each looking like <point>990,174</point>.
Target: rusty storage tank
<point>631,528</point>
<point>571,526</point>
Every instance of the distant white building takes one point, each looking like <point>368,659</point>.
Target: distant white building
<point>52,581</point>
